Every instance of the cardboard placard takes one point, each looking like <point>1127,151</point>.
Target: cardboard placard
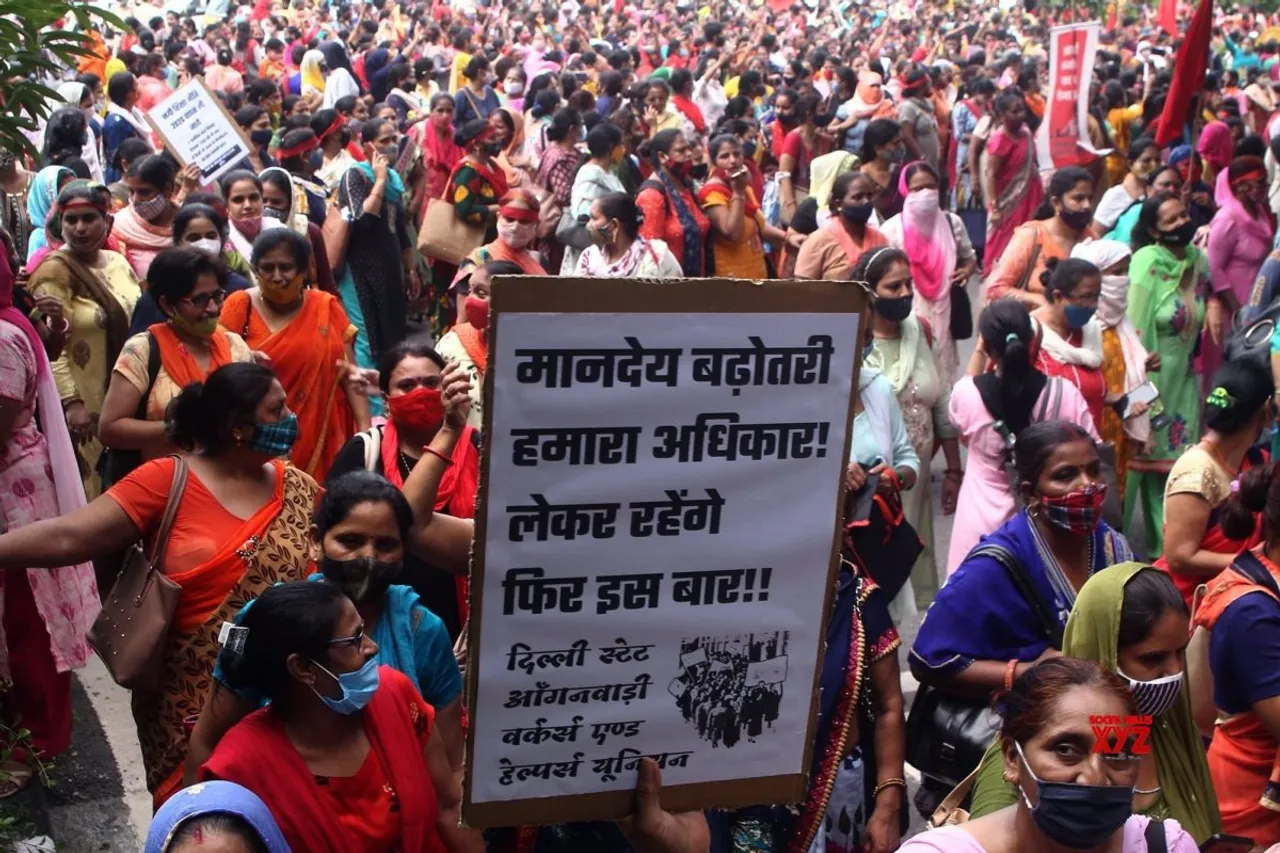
<point>657,541</point>
<point>196,127</point>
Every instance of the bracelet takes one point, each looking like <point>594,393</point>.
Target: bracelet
<point>447,461</point>
<point>954,472</point>
<point>889,783</point>
<point>1010,672</point>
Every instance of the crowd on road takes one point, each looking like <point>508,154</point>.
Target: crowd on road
<point>224,373</point>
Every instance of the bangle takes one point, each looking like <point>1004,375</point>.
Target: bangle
<point>1010,672</point>
<point>447,461</point>
<point>889,783</point>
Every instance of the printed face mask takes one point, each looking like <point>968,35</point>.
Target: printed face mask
<point>421,410</point>
<point>282,294</point>
<point>152,207</point>
<point>1157,696</point>
<point>275,439</point>
<point>1078,511</point>
<point>357,688</point>
<point>1180,236</point>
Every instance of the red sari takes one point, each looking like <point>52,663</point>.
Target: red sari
<point>396,785</point>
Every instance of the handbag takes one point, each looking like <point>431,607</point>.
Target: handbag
<point>947,735</point>
<point>961,313</point>
<point>129,632</point>
<point>571,232</point>
<point>444,236</point>
<point>1253,341</point>
<point>883,531</point>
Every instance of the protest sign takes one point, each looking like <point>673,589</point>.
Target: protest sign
<point>1063,137</point>
<point>656,541</point>
<point>197,128</point>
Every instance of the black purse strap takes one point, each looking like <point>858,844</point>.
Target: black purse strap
<point>1026,588</point>
<point>1155,838</point>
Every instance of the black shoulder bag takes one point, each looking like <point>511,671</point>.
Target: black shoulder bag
<point>115,464</point>
<point>948,735</point>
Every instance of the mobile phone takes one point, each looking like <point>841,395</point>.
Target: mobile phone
<point>863,499</point>
<point>1144,393</point>
<point>1221,843</point>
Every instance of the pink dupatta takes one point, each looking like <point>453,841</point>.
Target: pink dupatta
<point>66,598</point>
<point>927,239</point>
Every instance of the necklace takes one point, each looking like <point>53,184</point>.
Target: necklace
<point>1146,792</point>
<point>1212,449</point>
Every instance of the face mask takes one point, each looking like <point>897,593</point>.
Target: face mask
<point>699,172</point>
<point>922,202</point>
<point>895,155</point>
<point>391,152</point>
<point>275,439</point>
<point>493,149</point>
<point>1180,236</point>
<point>152,207</point>
<point>200,329</point>
<point>894,309</point>
<point>600,236</point>
<point>208,245</point>
<point>1076,512</point>
<point>1155,697</point>
<point>857,214</point>
<point>515,90</point>
<point>1077,816</point>
<point>476,310</point>
<point>1078,315</point>
<point>357,688</point>
<point>360,578</point>
<point>250,228</point>
<point>421,410</point>
<point>274,213</point>
<point>282,294</point>
<point>749,149</point>
<point>1077,220</point>
<point>682,170</point>
<point>355,125</point>
<point>1143,172</point>
<point>261,137</point>
<point>517,235</point>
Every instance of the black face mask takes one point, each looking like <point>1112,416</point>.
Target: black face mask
<point>361,578</point>
<point>787,118</point>
<point>699,172</point>
<point>895,308</point>
<point>1180,236</point>
<point>1080,817</point>
<point>857,214</point>
<point>1077,220</point>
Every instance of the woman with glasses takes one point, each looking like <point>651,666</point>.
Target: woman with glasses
<point>240,526</point>
<point>154,366</point>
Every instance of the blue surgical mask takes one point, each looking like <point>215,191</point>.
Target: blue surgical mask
<point>357,688</point>
<point>1078,316</point>
<point>275,439</point>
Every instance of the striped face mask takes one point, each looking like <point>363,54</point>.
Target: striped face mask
<point>1155,697</point>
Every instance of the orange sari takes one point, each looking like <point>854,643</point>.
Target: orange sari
<point>1244,758</point>
<point>178,361</point>
<point>305,355</point>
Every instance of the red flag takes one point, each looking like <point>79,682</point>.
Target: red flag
<point>1188,76</point>
<point>1168,16</point>
<point>1112,15</point>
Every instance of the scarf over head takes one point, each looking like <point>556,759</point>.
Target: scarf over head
<point>41,196</point>
<point>312,76</point>
<point>1232,209</point>
<point>215,797</point>
<point>928,241</point>
<point>1215,144</point>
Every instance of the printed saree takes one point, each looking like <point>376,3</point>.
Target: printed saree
<point>270,547</point>
<point>1092,633</point>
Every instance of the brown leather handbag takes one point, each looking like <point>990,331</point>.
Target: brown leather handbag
<point>130,631</point>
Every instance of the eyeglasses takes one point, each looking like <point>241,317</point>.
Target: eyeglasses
<point>202,301</point>
<point>352,642</point>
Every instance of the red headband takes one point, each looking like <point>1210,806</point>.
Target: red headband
<point>520,214</point>
<point>300,148</point>
<point>331,129</point>
<point>81,202</point>
<point>1254,175</point>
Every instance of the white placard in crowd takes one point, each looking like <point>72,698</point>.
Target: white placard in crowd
<point>197,128</point>
<point>659,534</point>
<point>1063,136</point>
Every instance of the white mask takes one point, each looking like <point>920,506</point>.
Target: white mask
<point>207,245</point>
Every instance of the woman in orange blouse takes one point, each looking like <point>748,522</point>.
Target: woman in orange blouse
<point>307,336</point>
<point>671,212</point>
<point>738,228</point>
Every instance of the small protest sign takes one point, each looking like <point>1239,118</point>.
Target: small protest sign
<point>197,128</point>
